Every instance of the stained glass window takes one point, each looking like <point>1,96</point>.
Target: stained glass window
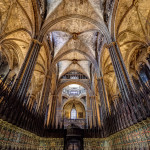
<point>73,114</point>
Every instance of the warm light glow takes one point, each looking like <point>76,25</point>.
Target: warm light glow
<point>74,86</point>
<point>73,114</point>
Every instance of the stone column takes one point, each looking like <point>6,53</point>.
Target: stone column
<point>53,112</point>
<point>93,111</point>
<point>88,100</point>
<point>49,110</point>
<point>97,110</point>
<point>21,85</point>
<point>89,117</point>
<point>45,94</point>
<point>120,71</point>
<point>25,74</point>
<point>103,109</point>
<point>58,117</point>
<point>124,84</point>
<point>41,93</point>
<point>102,95</point>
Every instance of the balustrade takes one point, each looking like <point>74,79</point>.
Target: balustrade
<point>74,75</point>
<point>78,122</point>
<point>74,92</point>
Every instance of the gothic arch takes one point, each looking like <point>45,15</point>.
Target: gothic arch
<point>69,100</point>
<point>75,50</point>
<point>61,86</point>
<point>100,25</point>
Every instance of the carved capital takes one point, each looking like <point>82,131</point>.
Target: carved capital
<point>36,41</point>
<point>111,44</point>
<point>100,78</point>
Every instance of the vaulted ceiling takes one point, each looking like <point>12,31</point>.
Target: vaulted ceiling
<point>70,25</point>
<point>133,31</point>
<point>73,29</point>
<point>74,39</point>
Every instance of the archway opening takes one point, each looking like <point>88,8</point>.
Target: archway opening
<point>74,90</point>
<point>74,105</point>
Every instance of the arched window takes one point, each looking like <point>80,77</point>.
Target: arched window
<point>73,114</point>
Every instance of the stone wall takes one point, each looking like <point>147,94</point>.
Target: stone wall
<point>12,137</point>
<point>135,137</point>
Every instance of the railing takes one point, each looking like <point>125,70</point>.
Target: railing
<point>74,92</point>
<point>78,122</point>
<point>76,76</point>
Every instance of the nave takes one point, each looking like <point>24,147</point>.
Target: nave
<point>74,74</point>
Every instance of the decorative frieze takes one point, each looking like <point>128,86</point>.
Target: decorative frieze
<point>14,137</point>
<point>134,137</point>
